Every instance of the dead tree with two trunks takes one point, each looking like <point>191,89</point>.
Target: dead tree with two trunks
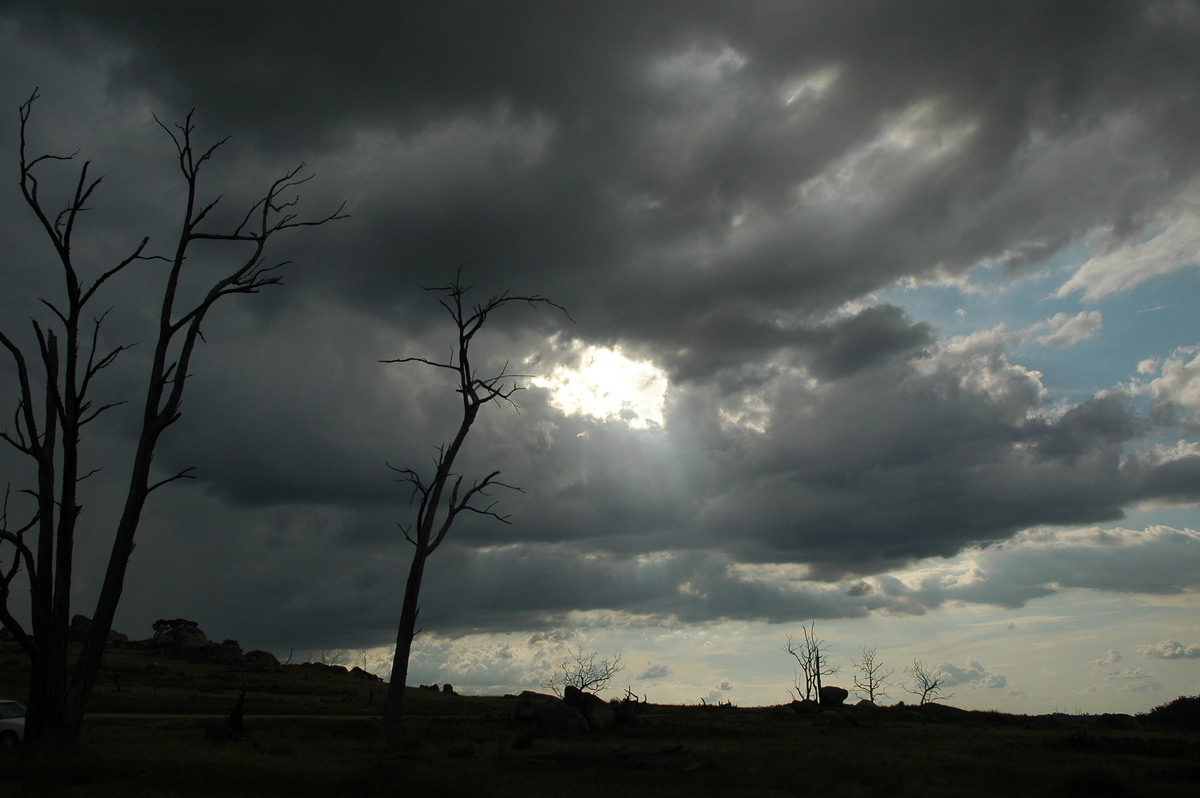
<point>56,378</point>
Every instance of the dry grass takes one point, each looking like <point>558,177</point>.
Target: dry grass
<point>154,739</point>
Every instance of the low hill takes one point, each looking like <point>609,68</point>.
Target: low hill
<point>158,725</point>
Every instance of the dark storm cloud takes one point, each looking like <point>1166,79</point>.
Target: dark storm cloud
<point>868,337</point>
<point>914,459</point>
<point>714,187</point>
<point>666,122</point>
<point>1173,480</point>
<point>558,586</point>
<point>1101,422</point>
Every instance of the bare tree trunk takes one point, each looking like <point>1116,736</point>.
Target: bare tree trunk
<point>393,711</point>
<point>443,498</point>
<point>51,441</point>
<point>87,667</point>
<point>817,670</point>
<point>46,729</point>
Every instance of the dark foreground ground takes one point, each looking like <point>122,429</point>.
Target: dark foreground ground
<point>310,731</point>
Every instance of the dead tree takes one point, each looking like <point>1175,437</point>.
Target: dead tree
<point>582,672</point>
<point>633,699</point>
<point>56,376</point>
<point>870,678</point>
<point>442,497</point>
<point>810,654</point>
<point>928,683</point>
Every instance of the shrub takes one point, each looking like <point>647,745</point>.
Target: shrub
<point>1183,712</point>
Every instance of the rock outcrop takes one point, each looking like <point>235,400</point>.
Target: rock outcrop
<point>549,714</point>
<point>258,660</point>
<point>359,673</point>
<point>598,714</point>
<point>80,624</point>
<point>831,696</point>
<point>805,707</point>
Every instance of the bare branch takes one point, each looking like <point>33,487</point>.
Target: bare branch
<point>582,672</point>
<point>103,278</point>
<point>24,416</point>
<point>928,683</point>
<point>457,506</point>
<point>871,677</point>
<point>184,474</point>
<point>22,554</point>
<point>16,537</point>
<point>424,360</point>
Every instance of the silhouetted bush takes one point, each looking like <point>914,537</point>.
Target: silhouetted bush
<point>1183,712</point>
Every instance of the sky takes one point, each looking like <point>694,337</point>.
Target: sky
<point>881,317</point>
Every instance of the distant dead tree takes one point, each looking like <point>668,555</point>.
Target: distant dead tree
<point>928,683</point>
<point>811,655</point>
<point>442,497</point>
<point>331,656</point>
<point>56,376</point>
<point>583,672</point>
<point>870,678</point>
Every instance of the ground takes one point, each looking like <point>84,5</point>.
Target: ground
<point>312,731</point>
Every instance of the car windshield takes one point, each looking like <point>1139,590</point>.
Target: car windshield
<point>11,709</point>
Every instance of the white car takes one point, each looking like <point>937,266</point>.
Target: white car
<point>12,723</point>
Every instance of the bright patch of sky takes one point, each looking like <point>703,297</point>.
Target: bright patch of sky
<point>800,92</point>
<point>911,142</point>
<point>605,384</point>
<point>1070,652</point>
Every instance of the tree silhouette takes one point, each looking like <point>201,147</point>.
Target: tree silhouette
<point>582,672</point>
<point>870,678</point>
<point>810,654</point>
<point>443,497</point>
<point>165,626</point>
<point>927,682</point>
<point>55,405</point>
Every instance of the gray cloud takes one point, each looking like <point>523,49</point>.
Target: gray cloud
<point>973,674</point>
<point>655,670</point>
<point>1170,649</point>
<point>691,116</point>
<point>715,188</point>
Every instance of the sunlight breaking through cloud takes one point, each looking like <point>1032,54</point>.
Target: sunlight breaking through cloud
<point>604,384</point>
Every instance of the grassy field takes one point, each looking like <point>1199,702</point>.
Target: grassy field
<point>310,731</point>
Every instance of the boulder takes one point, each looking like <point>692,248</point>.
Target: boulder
<point>228,651</point>
<point>187,641</point>
<point>184,637</point>
<point>260,660</point>
<point>78,628</point>
<point>831,697</point>
<point>595,711</point>
<point>80,624</point>
<point>628,711</point>
<point>549,714</point>
<point>805,707</point>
